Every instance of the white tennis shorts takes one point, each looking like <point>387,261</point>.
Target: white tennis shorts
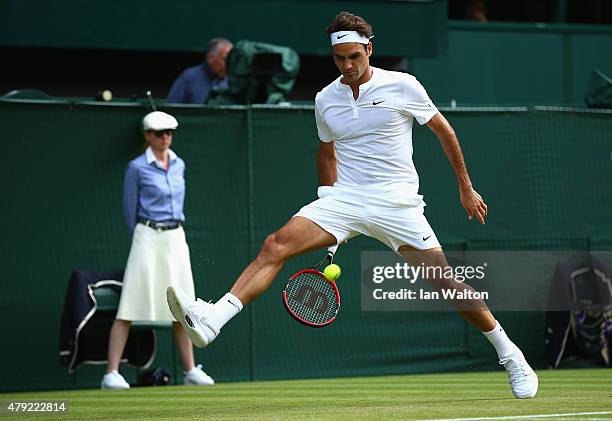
<point>382,215</point>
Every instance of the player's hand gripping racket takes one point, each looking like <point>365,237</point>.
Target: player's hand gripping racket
<point>310,298</point>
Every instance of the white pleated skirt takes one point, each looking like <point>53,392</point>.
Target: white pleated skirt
<point>157,260</point>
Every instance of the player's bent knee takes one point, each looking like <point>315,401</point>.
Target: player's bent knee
<point>273,249</point>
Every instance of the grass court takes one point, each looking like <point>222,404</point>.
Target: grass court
<point>584,394</point>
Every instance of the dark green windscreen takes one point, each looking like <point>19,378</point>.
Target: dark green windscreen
<point>545,173</point>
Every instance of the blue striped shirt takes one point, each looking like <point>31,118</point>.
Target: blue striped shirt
<point>152,192</point>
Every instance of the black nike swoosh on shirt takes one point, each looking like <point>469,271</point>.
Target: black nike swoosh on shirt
<point>426,238</point>
<point>233,304</point>
<point>376,103</point>
<point>341,36</point>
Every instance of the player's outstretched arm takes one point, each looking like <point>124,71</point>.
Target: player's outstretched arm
<point>472,202</point>
<point>327,163</point>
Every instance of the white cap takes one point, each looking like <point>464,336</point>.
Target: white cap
<point>158,120</point>
<point>343,37</point>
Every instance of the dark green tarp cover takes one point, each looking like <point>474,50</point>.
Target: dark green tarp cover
<point>258,73</point>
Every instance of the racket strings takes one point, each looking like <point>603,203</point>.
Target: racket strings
<point>312,298</point>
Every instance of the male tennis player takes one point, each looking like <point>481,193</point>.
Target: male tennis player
<point>369,186</point>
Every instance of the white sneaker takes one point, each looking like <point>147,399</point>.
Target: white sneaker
<point>523,380</point>
<point>198,377</point>
<point>114,380</point>
<point>195,316</point>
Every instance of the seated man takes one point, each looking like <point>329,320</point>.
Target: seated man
<point>194,83</point>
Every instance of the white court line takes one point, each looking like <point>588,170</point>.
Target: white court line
<point>585,419</point>
<point>522,417</point>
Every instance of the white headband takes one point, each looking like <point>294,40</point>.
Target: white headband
<point>342,37</point>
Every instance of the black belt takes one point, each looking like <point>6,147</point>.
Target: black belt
<point>160,226</point>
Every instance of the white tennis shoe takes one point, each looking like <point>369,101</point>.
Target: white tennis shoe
<point>194,316</point>
<point>114,380</point>
<point>523,380</point>
<point>197,377</point>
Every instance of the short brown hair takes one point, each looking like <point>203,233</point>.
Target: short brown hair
<point>345,21</point>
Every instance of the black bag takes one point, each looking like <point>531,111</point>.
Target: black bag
<point>154,377</point>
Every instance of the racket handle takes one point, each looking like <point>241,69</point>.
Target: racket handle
<point>330,253</point>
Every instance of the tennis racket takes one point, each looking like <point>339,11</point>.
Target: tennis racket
<point>310,298</point>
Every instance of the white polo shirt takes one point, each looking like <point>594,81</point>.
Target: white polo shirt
<point>373,134</point>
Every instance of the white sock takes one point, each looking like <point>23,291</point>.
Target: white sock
<point>226,308</point>
<point>503,345</point>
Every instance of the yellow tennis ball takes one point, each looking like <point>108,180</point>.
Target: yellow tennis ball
<point>332,272</point>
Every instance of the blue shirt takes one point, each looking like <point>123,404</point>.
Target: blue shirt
<point>194,84</point>
<point>151,192</point>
